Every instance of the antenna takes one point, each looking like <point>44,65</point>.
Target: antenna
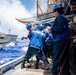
<point>9,31</point>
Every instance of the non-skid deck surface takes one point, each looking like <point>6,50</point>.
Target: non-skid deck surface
<point>31,72</point>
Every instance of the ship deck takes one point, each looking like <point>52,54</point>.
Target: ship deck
<point>30,69</point>
<point>27,71</point>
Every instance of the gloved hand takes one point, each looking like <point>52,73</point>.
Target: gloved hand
<point>24,38</point>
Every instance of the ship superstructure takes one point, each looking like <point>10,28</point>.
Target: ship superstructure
<point>6,38</point>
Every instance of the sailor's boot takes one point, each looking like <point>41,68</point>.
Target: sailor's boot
<point>46,64</point>
<point>36,64</point>
<point>23,64</point>
<point>65,73</point>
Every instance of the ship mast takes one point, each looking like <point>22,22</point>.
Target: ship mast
<point>9,31</point>
<point>37,7</point>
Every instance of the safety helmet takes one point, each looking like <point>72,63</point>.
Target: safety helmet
<point>57,6</point>
<point>47,23</point>
<point>40,26</point>
<point>28,25</point>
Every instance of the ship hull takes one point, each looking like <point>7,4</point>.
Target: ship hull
<point>7,38</point>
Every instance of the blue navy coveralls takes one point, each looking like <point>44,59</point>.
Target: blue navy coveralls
<point>60,35</point>
<point>37,39</point>
<point>48,47</point>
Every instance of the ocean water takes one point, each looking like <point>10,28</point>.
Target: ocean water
<point>13,50</point>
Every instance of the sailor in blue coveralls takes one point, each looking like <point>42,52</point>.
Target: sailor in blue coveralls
<point>37,39</point>
<point>60,35</point>
<point>48,47</point>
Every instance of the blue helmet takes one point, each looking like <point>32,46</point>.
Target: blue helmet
<point>40,26</point>
<point>57,6</point>
<point>48,23</point>
<point>28,25</point>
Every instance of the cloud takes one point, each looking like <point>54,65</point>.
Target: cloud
<point>11,9</point>
<point>33,11</point>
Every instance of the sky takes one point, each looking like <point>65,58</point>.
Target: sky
<point>11,9</point>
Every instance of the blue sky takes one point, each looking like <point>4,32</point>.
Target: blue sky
<point>29,4</point>
<point>11,9</point>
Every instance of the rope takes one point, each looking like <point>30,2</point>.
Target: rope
<point>62,66</point>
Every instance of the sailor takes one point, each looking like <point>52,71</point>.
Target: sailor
<point>48,47</point>
<point>37,39</point>
<point>60,35</point>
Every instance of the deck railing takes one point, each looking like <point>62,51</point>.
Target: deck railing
<point>10,63</point>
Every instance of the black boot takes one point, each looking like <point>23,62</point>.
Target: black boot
<point>23,64</point>
<point>65,73</point>
<point>36,64</point>
<point>46,66</point>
